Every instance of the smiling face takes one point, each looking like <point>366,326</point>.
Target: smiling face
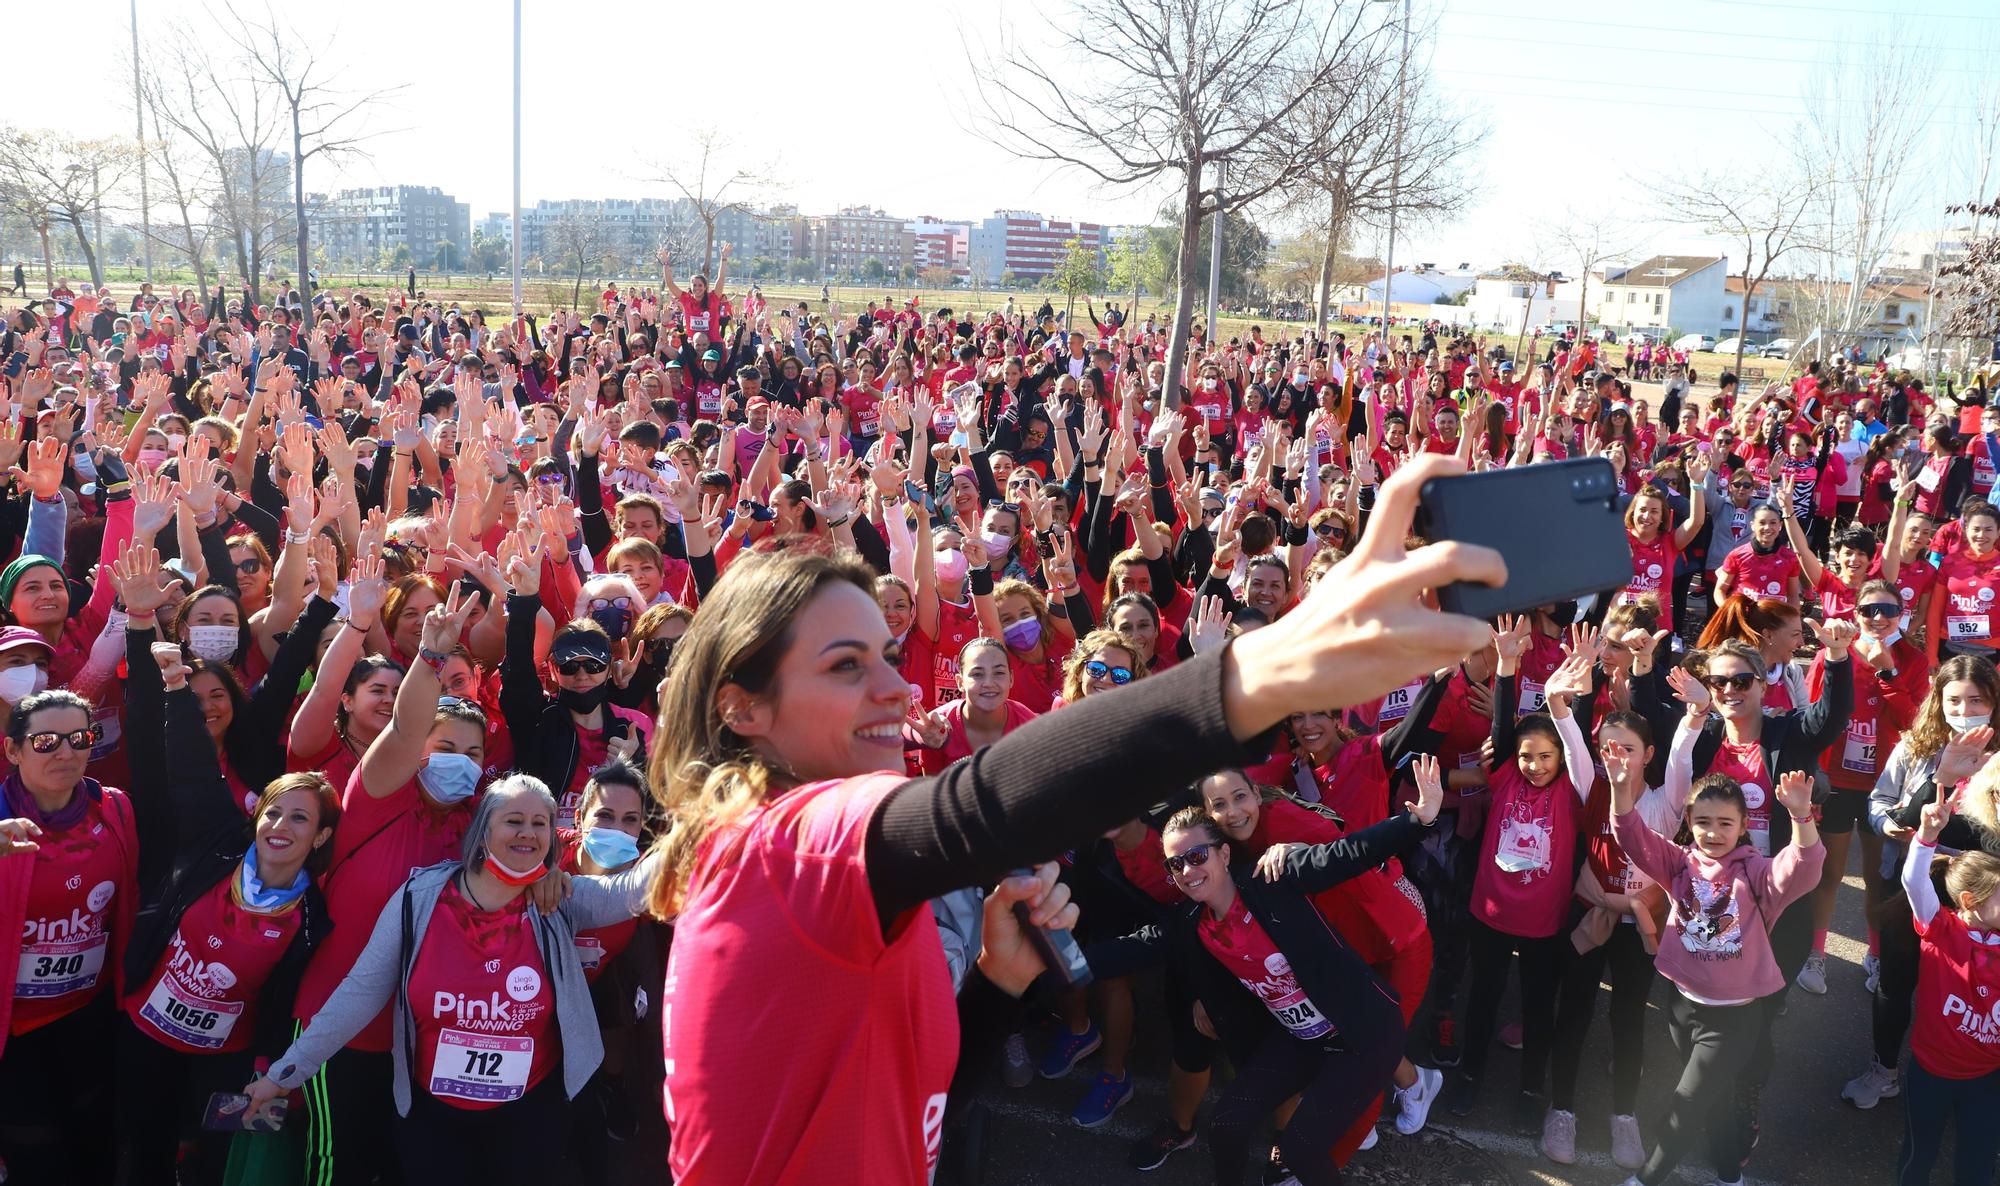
<point>1112,658</point>
<point>371,704</point>
<point>1647,508</point>
<point>1266,587</point>
<point>1717,825</point>
<point>1232,803</point>
<point>218,711</point>
<point>1981,532</point>
<point>1734,703</point>
<point>1539,758</point>
<point>288,829</point>
<point>1318,733</point>
<point>1207,883</point>
<point>898,610</point>
<point>253,576</point>
<point>520,831</point>
<point>1766,527</point>
<point>408,628</point>
<point>1137,627</point>
<point>41,599</point>
<point>985,677</point>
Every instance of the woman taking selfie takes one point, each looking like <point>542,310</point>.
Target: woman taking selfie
<point>790,819</point>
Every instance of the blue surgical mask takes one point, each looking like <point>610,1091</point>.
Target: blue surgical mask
<point>449,778</point>
<point>610,848</point>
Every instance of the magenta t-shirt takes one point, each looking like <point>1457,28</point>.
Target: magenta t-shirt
<point>1524,881</point>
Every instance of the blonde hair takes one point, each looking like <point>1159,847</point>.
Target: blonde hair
<point>1088,648</point>
<point>706,778</point>
<point>1972,873</point>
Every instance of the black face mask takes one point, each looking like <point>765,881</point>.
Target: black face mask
<point>1762,550</point>
<point>589,701</point>
<point>1563,613</point>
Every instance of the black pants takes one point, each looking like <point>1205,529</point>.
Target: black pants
<point>1970,1105</point>
<point>1715,1044</point>
<point>1791,942</point>
<point>350,1105</point>
<point>1441,868</point>
<point>1896,992</point>
<point>516,1144</point>
<point>1632,977</point>
<point>1335,1079</point>
<point>162,1094</point>
<point>1541,971</point>
<point>57,1125</point>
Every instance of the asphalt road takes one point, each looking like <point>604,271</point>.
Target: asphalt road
<point>1810,1135</point>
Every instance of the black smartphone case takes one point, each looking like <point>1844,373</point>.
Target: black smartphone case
<point>1559,525</point>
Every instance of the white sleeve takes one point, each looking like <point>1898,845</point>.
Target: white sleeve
<point>902,544</point>
<point>1917,881</point>
<point>1679,783</point>
<point>1576,754</point>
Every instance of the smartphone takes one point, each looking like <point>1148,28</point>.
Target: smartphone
<point>1558,525</point>
<point>230,1112</point>
<point>917,494</point>
<point>1058,948</point>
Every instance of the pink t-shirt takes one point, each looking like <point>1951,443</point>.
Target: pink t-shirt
<point>1523,882</point>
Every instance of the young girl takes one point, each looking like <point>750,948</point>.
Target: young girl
<point>1954,1047</point>
<point>1723,899</point>
<point>1521,884</point>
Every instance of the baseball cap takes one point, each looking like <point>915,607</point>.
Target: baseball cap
<point>16,637</point>
<point>584,643</point>
<point>711,355</point>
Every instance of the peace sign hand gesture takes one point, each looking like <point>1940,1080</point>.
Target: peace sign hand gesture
<point>445,624</point>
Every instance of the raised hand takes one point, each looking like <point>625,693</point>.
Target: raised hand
<point>1836,635</point>
<point>521,560</point>
<point>1936,814</point>
<point>1963,756</point>
<point>1208,626</point>
<point>366,591</point>
<point>173,668</point>
<point>1511,638</point>
<point>43,477</point>
<point>1795,792</point>
<point>1430,787</point>
<point>153,497</point>
<point>1689,691</point>
<point>445,624</point>
<point>137,577</point>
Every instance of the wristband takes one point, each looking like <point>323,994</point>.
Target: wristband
<point>980,580</point>
<point>1802,818</point>
<point>433,659</point>
<point>297,537</point>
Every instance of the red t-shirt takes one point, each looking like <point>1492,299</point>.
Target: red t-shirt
<point>1239,943</point>
<point>376,846</point>
<point>1038,684</point>
<point>1214,405</point>
<point>957,745</point>
<point>1145,866</point>
<point>957,625</point>
<point>1881,712</point>
<point>1971,587</point>
<point>485,1010</point>
<point>1614,871</point>
<point>1758,576</point>
<point>1836,599</point>
<point>1913,580</point>
<point>1653,572</point>
<point>779,961</point>
<point>1369,911</point>
<point>1523,884</point>
<point>916,666</point>
<point>863,404</point>
<point>1957,1030</point>
<point>336,759</point>
<point>1745,764</point>
<point>67,929</point>
<point>202,997</point>
<point>703,316</point>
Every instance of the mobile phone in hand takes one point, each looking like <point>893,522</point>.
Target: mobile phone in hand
<point>1558,525</point>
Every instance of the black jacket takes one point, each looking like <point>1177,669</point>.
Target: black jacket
<point>213,836</point>
<point>1791,740</point>
<point>1333,976</point>
<point>544,733</point>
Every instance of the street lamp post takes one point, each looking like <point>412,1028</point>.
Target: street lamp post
<point>517,159</point>
<point>1395,177</point>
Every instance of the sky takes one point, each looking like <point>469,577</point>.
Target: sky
<point>1586,105</point>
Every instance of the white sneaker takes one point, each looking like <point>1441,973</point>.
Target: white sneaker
<point>1413,1103</point>
<point>1872,965</point>
<point>1872,1086</point>
<point>1559,1136</point>
<point>1812,977</point>
<point>1368,1142</point>
<point>1628,1152</point>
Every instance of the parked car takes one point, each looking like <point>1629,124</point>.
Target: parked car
<point>1637,338</point>
<point>1776,348</point>
<point>1732,345</point>
<point>1694,342</point>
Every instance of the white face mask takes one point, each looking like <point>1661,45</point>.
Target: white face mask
<point>1961,724</point>
<point>19,683</point>
<point>216,644</point>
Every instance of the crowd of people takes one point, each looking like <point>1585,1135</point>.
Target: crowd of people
<point>448,739</point>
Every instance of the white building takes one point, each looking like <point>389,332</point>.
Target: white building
<point>1501,300</point>
<point>1668,295</point>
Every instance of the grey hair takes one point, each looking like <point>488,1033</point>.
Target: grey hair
<point>472,849</point>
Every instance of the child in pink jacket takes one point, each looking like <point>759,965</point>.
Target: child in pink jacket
<point>1717,950</point>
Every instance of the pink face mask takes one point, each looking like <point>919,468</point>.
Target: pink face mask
<point>153,457</point>
<point>951,566</point>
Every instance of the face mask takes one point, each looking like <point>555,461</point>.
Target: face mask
<point>1024,634</point>
<point>153,457</point>
<point>616,620</point>
<point>448,778</point>
<point>512,877</point>
<point>589,701</point>
<point>997,545</point>
<point>18,683</point>
<point>1299,378</point>
<point>610,848</point>
<point>217,644</point>
<point>950,565</point>
<point>1961,724</point>
<point>176,439</point>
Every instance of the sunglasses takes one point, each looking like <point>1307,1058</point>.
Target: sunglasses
<point>249,565</point>
<point>1193,858</point>
<point>1880,609</point>
<point>78,739</point>
<point>660,648</point>
<point>1330,531</point>
<point>587,664</point>
<point>1740,682</point>
<point>1098,669</point>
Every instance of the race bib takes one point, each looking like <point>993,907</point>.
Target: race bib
<point>1523,847</point>
<point>1858,752</point>
<point>711,402</point>
<point>59,968</point>
<point>1962,628</point>
<point>485,1068</point>
<point>590,951</point>
<point>1928,479</point>
<point>1301,1017</point>
<point>1396,705</point>
<point>188,1019</point>
<point>1533,698</point>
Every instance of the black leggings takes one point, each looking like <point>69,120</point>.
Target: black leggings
<point>1969,1104</point>
<point>1716,1043</point>
<point>1336,1079</point>
<point>1441,868</point>
<point>1896,992</point>
<point>1631,983</point>
<point>162,1093</point>
<point>57,1124</point>
<point>1541,972</point>
<point>516,1144</point>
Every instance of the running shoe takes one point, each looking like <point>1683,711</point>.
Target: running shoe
<point>1628,1152</point>
<point>1510,1035</point>
<point>1444,1042</point>
<point>1153,1149</point>
<point>1019,1069</point>
<point>1068,1050</point>
<point>1413,1103</point>
<point>1871,964</point>
<point>1872,1086</point>
<point>1368,1142</point>
<point>1102,1101</point>
<point>1559,1136</point>
<point>1812,977</point>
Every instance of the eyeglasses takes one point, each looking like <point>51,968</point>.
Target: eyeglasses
<point>1880,609</point>
<point>249,564</point>
<point>587,664</point>
<point>1740,682</point>
<point>1098,669</point>
<point>610,603</point>
<point>1193,858</point>
<point>1012,508</point>
<point>78,739</point>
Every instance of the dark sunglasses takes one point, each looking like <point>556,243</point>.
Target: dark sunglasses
<point>249,565</point>
<point>1330,531</point>
<point>1013,508</point>
<point>1193,858</point>
<point>1098,669</point>
<point>1880,609</point>
<point>588,664</point>
<point>1740,682</point>
<point>660,648</point>
<point>78,739</point>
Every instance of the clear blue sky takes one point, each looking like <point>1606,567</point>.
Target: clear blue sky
<point>851,105</point>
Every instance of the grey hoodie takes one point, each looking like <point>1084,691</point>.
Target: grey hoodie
<point>380,974</point>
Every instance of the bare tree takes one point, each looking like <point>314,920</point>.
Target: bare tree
<point>711,184</point>
<point>194,191</point>
<point>51,179</point>
<point>326,121</point>
<point>1761,212</point>
<point>577,241</point>
<point>1140,92</point>
<point>1590,241</point>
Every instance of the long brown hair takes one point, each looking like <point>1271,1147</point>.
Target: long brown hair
<point>704,776</point>
<point>1928,734</point>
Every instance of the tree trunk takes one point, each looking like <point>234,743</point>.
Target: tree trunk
<point>707,242</point>
<point>1743,317</point>
<point>299,212</point>
<point>1334,225</point>
<point>48,257</point>
<point>89,255</point>
<point>1177,339</point>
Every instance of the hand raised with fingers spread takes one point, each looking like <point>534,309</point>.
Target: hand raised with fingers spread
<point>43,477</point>
<point>1430,788</point>
<point>138,578</point>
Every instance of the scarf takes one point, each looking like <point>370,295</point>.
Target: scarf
<point>21,803</point>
